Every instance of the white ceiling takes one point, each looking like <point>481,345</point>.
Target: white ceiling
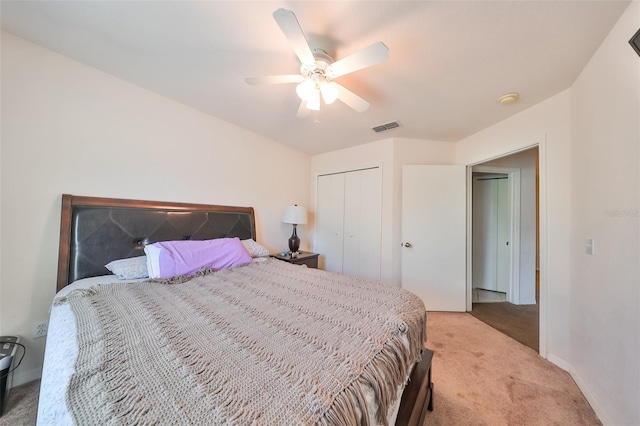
<point>448,60</point>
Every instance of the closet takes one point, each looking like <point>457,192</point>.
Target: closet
<point>348,222</point>
<point>491,232</point>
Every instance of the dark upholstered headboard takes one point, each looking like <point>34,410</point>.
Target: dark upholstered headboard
<point>94,231</point>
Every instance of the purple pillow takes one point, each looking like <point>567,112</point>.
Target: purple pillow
<point>170,258</point>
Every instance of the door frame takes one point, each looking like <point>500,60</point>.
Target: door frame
<point>513,174</point>
<point>539,141</point>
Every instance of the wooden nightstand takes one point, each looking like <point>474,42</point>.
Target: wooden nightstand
<point>303,258</point>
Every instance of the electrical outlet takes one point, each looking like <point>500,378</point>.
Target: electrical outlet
<point>40,329</point>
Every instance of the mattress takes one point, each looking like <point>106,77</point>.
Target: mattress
<point>60,356</point>
<point>61,353</point>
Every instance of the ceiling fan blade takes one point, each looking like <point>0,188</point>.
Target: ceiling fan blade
<point>274,79</point>
<point>351,99</point>
<point>303,111</point>
<point>289,25</point>
<point>372,55</point>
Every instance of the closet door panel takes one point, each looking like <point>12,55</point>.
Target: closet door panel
<point>503,250</point>
<point>370,223</point>
<point>352,228</point>
<point>329,221</point>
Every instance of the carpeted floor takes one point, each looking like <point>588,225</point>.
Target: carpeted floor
<point>520,322</point>
<point>22,406</point>
<point>481,377</point>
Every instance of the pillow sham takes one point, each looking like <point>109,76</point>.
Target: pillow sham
<point>170,258</point>
<point>129,268</point>
<point>254,249</point>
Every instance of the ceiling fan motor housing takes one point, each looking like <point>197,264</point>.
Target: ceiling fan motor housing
<point>319,68</point>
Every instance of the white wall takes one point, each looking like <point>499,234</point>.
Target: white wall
<point>68,128</point>
<point>390,154</point>
<point>526,162</point>
<point>605,287</point>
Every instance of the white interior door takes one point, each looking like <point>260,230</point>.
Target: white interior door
<point>434,235</point>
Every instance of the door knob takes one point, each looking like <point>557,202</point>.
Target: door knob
<point>407,245</point>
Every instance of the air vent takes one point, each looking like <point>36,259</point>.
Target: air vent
<point>388,126</point>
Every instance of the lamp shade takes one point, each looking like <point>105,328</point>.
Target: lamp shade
<point>295,215</point>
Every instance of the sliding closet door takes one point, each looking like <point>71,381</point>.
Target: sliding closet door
<point>330,221</point>
<point>362,224</point>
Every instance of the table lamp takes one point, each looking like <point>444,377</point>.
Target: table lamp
<point>295,215</point>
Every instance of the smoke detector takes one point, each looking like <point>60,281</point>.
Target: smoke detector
<point>509,98</point>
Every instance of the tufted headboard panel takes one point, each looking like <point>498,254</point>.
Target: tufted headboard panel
<point>95,231</point>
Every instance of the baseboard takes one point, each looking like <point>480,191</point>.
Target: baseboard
<point>527,302</point>
<point>582,386</point>
<point>26,376</point>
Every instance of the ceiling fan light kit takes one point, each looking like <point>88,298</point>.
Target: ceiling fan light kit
<point>318,69</point>
<point>316,81</point>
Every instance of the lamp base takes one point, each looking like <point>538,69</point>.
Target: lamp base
<point>294,241</point>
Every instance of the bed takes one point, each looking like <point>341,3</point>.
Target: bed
<point>261,342</point>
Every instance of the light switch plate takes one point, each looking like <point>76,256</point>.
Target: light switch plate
<point>589,247</point>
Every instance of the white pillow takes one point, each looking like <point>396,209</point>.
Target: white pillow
<point>130,268</point>
<point>153,260</point>
<point>255,249</point>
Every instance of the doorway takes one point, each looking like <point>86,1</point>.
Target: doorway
<point>514,310</point>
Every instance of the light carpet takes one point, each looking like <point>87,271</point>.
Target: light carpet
<point>483,377</point>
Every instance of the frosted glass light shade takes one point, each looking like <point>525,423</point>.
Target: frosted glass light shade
<point>313,102</point>
<point>329,92</point>
<point>305,89</point>
<point>296,215</point>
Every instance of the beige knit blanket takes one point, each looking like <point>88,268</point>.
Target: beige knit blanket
<point>262,344</point>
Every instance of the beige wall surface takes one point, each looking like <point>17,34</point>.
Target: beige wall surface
<point>68,128</point>
<point>605,287</point>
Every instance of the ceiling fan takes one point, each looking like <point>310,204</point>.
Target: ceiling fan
<point>318,70</point>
